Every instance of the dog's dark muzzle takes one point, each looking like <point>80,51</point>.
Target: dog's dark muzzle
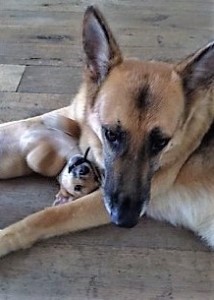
<point>124,211</point>
<point>121,220</point>
<point>126,190</point>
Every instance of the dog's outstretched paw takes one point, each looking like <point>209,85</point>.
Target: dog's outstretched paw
<point>4,243</point>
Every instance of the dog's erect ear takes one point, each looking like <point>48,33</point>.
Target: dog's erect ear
<point>197,70</point>
<point>101,49</point>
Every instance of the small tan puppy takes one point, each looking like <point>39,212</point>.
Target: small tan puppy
<point>79,177</point>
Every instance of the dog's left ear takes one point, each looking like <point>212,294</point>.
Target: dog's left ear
<point>197,70</point>
<point>101,49</point>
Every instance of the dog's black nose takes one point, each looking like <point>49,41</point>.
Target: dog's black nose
<point>128,223</point>
<point>84,170</point>
<point>124,211</point>
<point>124,218</point>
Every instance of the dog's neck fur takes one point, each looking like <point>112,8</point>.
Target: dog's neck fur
<point>197,126</point>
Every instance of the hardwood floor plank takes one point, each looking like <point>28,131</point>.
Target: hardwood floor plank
<point>71,55</point>
<point>64,28</point>
<point>52,80</point>
<point>10,77</point>
<point>96,272</point>
<point>54,38</point>
<point>16,106</point>
<point>78,6</point>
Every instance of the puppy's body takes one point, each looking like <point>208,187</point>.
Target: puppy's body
<point>150,127</point>
<point>78,178</point>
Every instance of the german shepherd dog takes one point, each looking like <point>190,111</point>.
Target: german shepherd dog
<point>150,128</point>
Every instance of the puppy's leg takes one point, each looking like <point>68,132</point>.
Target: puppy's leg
<point>86,212</point>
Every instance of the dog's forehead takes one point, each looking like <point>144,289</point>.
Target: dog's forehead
<point>142,83</point>
<point>142,92</point>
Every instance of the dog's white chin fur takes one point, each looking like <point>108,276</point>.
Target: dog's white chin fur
<point>106,206</point>
<point>143,210</point>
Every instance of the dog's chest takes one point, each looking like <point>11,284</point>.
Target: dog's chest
<point>184,207</point>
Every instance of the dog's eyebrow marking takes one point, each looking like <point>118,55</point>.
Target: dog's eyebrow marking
<point>143,96</point>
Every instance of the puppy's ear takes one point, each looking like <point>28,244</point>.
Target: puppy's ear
<point>197,70</point>
<point>100,46</point>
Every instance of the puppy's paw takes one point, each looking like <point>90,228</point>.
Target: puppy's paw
<point>61,199</point>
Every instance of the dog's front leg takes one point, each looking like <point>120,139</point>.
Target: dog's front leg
<point>86,212</point>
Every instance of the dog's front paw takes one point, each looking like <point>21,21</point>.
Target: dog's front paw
<point>4,243</point>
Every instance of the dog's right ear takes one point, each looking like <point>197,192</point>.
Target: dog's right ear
<point>101,49</point>
<point>197,70</point>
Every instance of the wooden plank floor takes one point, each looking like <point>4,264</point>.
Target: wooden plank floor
<point>40,68</point>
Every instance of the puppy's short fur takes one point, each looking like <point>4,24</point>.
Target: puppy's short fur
<point>150,129</point>
<point>78,178</point>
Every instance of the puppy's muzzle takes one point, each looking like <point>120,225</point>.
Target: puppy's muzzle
<point>84,170</point>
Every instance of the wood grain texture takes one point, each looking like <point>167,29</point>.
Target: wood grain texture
<point>10,77</point>
<point>48,32</point>
<point>152,261</point>
<point>16,106</point>
<point>57,80</point>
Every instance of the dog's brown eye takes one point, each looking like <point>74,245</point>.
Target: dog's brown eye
<point>159,145</point>
<point>115,137</point>
<point>78,188</point>
<point>111,136</point>
<point>157,141</point>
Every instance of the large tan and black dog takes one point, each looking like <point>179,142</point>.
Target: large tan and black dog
<point>150,128</point>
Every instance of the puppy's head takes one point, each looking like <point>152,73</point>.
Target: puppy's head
<point>80,176</point>
<point>139,111</point>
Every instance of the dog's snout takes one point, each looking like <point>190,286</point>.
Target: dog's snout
<point>125,223</point>
<point>124,211</point>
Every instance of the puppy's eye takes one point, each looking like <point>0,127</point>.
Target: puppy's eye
<point>157,141</point>
<point>78,188</point>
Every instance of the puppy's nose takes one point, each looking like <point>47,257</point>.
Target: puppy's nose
<point>84,170</point>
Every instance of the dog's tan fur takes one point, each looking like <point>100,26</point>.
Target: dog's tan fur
<point>180,102</point>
